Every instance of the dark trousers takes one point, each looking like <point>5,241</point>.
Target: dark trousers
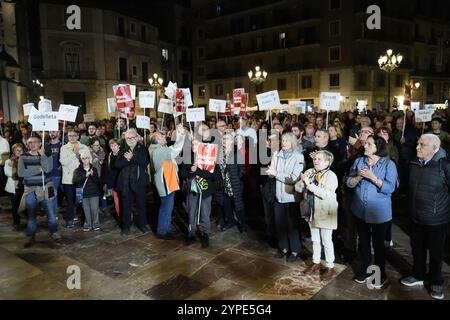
<point>128,199</point>
<point>15,202</point>
<point>228,210</point>
<point>287,225</point>
<point>432,239</point>
<point>69,192</point>
<point>375,232</point>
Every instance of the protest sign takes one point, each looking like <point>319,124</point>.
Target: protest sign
<point>195,115</point>
<point>268,100</point>
<point>44,121</point>
<point>67,112</point>
<point>206,158</point>
<point>27,108</point>
<point>298,104</point>
<point>112,105</point>
<point>415,106</point>
<point>45,105</point>
<point>89,117</point>
<point>143,122</point>
<point>424,115</point>
<point>165,106</point>
<point>180,105</point>
<point>216,105</point>
<point>147,99</point>
<point>171,90</point>
<point>330,101</point>
<point>187,98</point>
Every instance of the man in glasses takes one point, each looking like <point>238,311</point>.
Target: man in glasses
<point>70,161</point>
<point>34,167</point>
<point>133,181</point>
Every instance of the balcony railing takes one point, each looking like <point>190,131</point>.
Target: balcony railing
<point>60,74</point>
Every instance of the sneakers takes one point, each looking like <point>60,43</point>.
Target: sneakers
<point>97,229</point>
<point>31,241</point>
<point>70,225</point>
<point>383,282</point>
<point>293,257</point>
<point>75,219</point>
<point>56,236</point>
<point>281,254</point>
<point>361,278</point>
<point>437,292</point>
<point>87,229</point>
<point>312,268</point>
<point>411,281</point>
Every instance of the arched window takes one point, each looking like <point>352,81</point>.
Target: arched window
<point>71,56</point>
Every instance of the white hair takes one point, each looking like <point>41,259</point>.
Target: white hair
<point>434,139</point>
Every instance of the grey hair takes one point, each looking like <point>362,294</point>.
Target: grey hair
<point>325,132</point>
<point>292,138</point>
<point>434,139</point>
<point>329,157</point>
<point>131,130</point>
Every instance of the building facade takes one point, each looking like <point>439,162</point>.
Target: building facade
<point>311,46</point>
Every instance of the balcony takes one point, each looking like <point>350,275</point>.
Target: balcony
<point>60,74</point>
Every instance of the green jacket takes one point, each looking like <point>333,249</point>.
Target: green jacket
<point>160,153</point>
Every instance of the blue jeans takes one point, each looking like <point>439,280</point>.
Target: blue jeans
<point>165,214</point>
<point>54,202</point>
<point>32,210</point>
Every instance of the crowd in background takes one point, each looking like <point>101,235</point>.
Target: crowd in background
<point>328,178</point>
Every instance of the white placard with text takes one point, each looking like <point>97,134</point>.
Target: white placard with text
<point>112,105</point>
<point>165,106</point>
<point>424,115</point>
<point>45,105</point>
<point>330,101</point>
<point>27,108</point>
<point>216,105</point>
<point>44,121</point>
<point>268,100</point>
<point>147,99</point>
<point>67,112</point>
<point>195,114</point>
<point>143,122</point>
<point>89,117</point>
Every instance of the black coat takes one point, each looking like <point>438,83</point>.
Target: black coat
<point>133,174</point>
<point>92,187</point>
<point>236,172</point>
<point>200,175</point>
<point>429,198</point>
<point>110,172</point>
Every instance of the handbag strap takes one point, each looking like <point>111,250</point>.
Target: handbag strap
<point>84,184</point>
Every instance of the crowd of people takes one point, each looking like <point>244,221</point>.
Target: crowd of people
<point>327,177</point>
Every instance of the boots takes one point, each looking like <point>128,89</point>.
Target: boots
<point>205,240</point>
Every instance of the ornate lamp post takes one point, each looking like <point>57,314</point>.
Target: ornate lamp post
<point>388,63</point>
<point>157,83</point>
<point>258,77</point>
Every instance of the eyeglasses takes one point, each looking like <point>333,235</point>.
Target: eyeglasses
<point>130,138</point>
<point>85,159</point>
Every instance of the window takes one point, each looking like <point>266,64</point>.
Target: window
<point>143,33</point>
<point>335,4</point>
<point>282,39</point>
<point>201,52</point>
<point>399,81</point>
<point>219,89</point>
<point>334,79</point>
<point>306,82</point>
<point>185,78</point>
<point>165,55</point>
<point>123,69</point>
<point>72,64</point>
<point>144,72</point>
<point>362,79</point>
<point>200,71</point>
<point>133,28</point>
<point>134,68</point>
<point>335,54</point>
<point>121,26</point>
<point>335,28</point>
<point>201,91</point>
<point>430,88</point>
<point>381,80</point>
<point>200,34</point>
<point>281,84</point>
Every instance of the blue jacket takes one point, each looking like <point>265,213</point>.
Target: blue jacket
<point>370,203</point>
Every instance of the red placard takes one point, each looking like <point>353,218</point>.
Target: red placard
<point>227,108</point>
<point>180,106</point>
<point>206,158</point>
<point>122,92</point>
<point>244,102</point>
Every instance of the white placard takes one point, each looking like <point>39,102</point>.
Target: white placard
<point>424,115</point>
<point>187,98</point>
<point>415,106</point>
<point>27,108</point>
<point>216,105</point>
<point>330,101</point>
<point>67,112</point>
<point>143,122</point>
<point>171,90</point>
<point>361,105</point>
<point>133,92</point>
<point>298,104</point>
<point>44,121</point>
<point>165,106</point>
<point>195,114</point>
<point>268,100</point>
<point>112,105</point>
<point>89,117</point>
<point>45,105</point>
<point>147,99</point>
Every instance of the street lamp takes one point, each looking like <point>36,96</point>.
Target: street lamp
<point>388,63</point>
<point>157,83</point>
<point>257,77</point>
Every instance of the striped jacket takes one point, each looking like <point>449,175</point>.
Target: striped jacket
<point>30,169</point>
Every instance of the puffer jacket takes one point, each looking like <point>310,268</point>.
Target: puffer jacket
<point>429,198</point>
<point>288,165</point>
<point>92,186</point>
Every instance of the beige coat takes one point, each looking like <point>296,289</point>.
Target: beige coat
<point>11,184</point>
<point>325,203</point>
<point>70,161</point>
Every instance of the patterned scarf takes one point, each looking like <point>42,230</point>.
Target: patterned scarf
<point>225,174</point>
